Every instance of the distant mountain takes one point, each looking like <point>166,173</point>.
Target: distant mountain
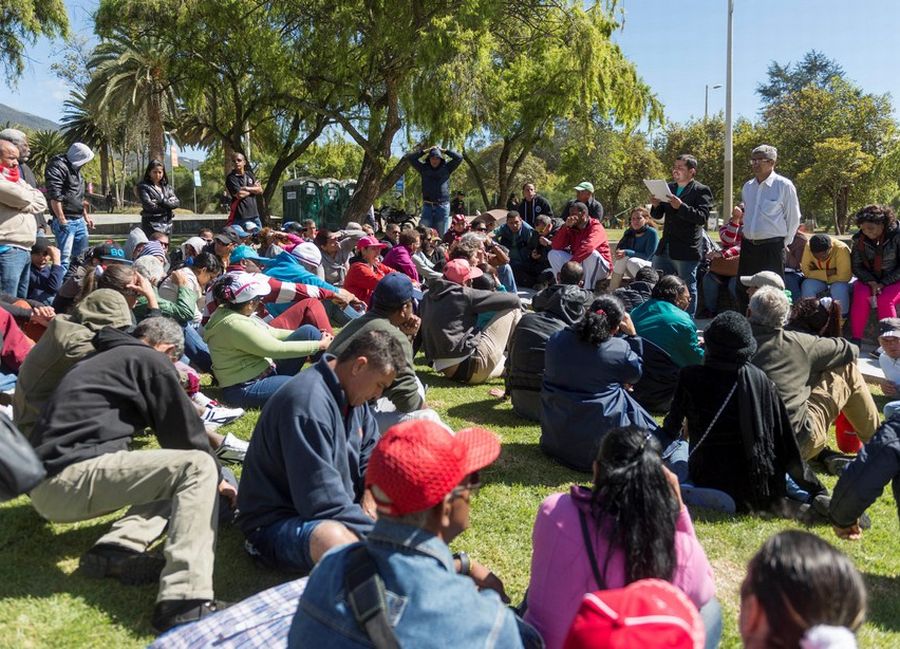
<point>18,118</point>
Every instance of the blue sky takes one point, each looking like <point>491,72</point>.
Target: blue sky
<point>677,47</point>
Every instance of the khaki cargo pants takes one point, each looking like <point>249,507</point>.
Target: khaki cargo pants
<point>840,389</point>
<point>163,488</point>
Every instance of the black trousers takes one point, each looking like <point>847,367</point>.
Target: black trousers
<point>756,256</point>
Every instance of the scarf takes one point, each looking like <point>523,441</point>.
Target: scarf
<point>10,173</point>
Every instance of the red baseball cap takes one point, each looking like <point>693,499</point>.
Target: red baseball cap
<point>459,270</point>
<point>650,613</point>
<point>417,463</point>
<point>369,242</point>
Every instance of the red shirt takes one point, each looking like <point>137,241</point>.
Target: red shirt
<point>581,243</point>
<point>362,279</point>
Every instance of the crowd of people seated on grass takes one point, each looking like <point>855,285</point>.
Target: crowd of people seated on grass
<point>351,482</point>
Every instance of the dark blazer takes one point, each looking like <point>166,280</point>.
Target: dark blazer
<point>683,228</point>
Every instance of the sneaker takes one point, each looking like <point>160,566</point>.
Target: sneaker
<point>220,415</point>
<point>130,567</point>
<point>830,462</point>
<point>170,613</point>
<point>233,449</point>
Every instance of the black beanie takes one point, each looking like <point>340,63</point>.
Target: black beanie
<point>729,338</point>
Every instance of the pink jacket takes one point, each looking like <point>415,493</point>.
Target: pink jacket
<point>561,572</point>
<point>400,260</point>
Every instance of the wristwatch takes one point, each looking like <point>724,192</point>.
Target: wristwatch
<point>464,562</point>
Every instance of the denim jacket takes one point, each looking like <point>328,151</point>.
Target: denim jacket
<point>429,605</point>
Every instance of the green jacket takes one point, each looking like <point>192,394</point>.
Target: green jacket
<point>67,340</point>
<point>669,328</point>
<point>182,309</point>
<point>404,391</point>
<point>243,347</point>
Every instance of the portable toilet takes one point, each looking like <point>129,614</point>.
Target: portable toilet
<point>310,196</point>
<point>331,215</point>
<point>291,193</point>
<point>348,187</point>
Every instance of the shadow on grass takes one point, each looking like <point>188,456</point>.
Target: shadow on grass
<point>35,556</point>
<point>884,608</point>
<point>526,464</point>
<point>487,412</point>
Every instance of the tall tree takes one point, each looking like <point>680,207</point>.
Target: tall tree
<point>814,69</point>
<point>131,74</point>
<point>21,23</point>
<point>558,65</point>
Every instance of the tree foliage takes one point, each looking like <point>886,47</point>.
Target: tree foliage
<point>21,23</point>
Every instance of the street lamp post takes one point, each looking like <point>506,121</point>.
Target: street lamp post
<point>706,100</point>
<point>728,198</point>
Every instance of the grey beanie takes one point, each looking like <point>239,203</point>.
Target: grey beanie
<point>79,154</point>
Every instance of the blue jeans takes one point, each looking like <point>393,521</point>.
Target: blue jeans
<point>675,458</point>
<point>283,545</point>
<point>506,277</point>
<point>256,392</point>
<point>686,270</point>
<point>72,239</point>
<point>437,216</point>
<point>711,614</point>
<point>711,286</point>
<point>196,349</point>
<point>840,291</point>
<point>243,223</point>
<point>792,282</point>
<point>15,273</point>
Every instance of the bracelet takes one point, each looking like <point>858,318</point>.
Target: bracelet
<point>465,564</point>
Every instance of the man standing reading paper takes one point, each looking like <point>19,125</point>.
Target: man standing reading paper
<point>685,213</point>
<point>771,218</point>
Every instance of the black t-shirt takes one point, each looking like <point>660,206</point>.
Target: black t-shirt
<point>247,208</point>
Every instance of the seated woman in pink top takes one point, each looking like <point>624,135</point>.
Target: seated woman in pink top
<point>631,525</point>
<point>400,256</point>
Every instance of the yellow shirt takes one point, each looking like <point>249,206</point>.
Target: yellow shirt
<point>836,268</point>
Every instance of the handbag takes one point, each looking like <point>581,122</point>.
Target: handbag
<point>725,267</point>
<point>20,468</point>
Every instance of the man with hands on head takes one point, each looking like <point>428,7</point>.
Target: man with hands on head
<point>435,173</point>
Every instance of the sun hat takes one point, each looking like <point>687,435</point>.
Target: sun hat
<point>369,241</point>
<point>246,286</point>
<point>246,252</point>
<point>417,463</point>
<point>763,278</point>
<point>307,253</point>
<point>459,270</point>
<point>584,186</point>
<point>650,613</point>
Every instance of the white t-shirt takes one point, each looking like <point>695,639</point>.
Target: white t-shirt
<point>890,367</point>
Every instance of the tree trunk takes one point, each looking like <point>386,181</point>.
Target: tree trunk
<point>226,158</point>
<point>157,135</point>
<point>104,168</point>
<point>843,200</point>
<point>482,189</point>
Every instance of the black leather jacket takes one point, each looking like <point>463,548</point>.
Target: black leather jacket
<point>65,184</point>
<point>157,203</point>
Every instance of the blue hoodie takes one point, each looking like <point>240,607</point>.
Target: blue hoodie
<point>287,268</point>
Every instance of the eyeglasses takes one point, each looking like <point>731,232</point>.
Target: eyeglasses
<point>164,244</point>
<point>759,160</point>
<point>480,229</point>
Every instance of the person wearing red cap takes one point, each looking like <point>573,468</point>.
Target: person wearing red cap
<point>366,269</point>
<point>450,338</point>
<point>422,478</point>
<point>650,613</point>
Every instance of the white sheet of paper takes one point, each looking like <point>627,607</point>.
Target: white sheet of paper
<point>659,189</point>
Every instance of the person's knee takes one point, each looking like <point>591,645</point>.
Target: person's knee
<point>200,467</point>
<point>328,535</point>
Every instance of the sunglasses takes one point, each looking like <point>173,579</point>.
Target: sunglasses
<point>472,484</point>
<point>480,229</point>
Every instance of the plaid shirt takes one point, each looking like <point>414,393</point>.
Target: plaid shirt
<point>262,620</point>
<point>280,293</point>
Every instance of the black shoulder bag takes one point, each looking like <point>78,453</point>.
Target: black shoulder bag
<point>365,592</point>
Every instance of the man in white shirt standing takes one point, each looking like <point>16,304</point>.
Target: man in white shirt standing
<point>771,218</point>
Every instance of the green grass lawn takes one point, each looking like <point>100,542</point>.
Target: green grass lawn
<point>44,602</point>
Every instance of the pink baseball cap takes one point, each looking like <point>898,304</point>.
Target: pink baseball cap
<point>459,270</point>
<point>369,242</point>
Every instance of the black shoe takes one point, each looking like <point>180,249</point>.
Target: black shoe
<point>170,613</point>
<point>130,567</point>
<point>830,462</point>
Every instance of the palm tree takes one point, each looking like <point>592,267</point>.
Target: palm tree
<point>44,145</point>
<point>131,76</point>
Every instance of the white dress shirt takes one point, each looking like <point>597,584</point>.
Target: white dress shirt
<point>771,209</point>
